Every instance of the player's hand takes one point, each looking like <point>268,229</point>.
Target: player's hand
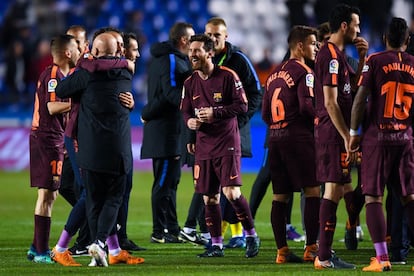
<point>362,46</point>
<point>353,147</point>
<point>131,65</point>
<point>205,114</point>
<point>191,148</point>
<point>127,99</point>
<point>194,123</point>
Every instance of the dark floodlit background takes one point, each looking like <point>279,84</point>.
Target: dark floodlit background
<point>259,27</point>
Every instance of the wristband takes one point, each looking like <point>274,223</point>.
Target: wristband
<point>353,132</point>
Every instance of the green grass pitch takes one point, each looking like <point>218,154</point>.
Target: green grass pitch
<point>17,202</point>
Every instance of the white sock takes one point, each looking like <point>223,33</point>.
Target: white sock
<point>206,235</point>
<point>60,249</point>
<point>115,252</point>
<point>188,230</point>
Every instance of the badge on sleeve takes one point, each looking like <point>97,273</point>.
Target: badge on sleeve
<point>333,67</point>
<point>365,68</point>
<point>310,79</point>
<point>238,84</point>
<point>51,85</point>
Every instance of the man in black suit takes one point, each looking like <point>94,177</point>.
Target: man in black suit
<point>104,138</point>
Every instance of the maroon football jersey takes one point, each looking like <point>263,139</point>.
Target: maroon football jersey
<point>389,76</point>
<point>45,92</point>
<point>332,69</point>
<point>224,92</point>
<point>287,106</point>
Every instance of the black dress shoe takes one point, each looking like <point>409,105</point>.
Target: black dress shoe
<point>130,245</point>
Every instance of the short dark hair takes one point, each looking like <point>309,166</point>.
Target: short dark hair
<point>178,30</point>
<point>341,13</point>
<point>397,32</point>
<point>127,37</point>
<point>105,30</point>
<point>60,42</point>
<point>299,33</point>
<point>323,29</point>
<point>208,42</point>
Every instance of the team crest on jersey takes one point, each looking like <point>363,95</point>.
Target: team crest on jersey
<point>51,85</point>
<point>310,80</point>
<point>238,84</point>
<point>217,97</point>
<point>333,67</point>
<point>365,68</point>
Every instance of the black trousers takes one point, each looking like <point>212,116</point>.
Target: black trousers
<point>167,173</point>
<point>260,185</point>
<point>123,210</point>
<point>71,190</point>
<point>196,214</point>
<point>104,194</point>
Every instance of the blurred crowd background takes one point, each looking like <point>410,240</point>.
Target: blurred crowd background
<point>259,27</point>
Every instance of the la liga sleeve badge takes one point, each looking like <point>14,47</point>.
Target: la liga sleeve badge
<point>51,85</point>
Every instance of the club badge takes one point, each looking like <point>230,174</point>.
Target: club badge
<point>218,97</point>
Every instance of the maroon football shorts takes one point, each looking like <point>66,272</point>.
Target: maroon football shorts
<point>292,166</point>
<point>387,165</point>
<point>331,165</point>
<point>46,159</point>
<point>212,174</point>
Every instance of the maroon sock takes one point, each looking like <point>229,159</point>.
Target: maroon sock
<point>410,214</point>
<point>350,208</point>
<point>312,219</point>
<point>376,222</point>
<point>42,233</point>
<point>241,207</point>
<point>278,220</point>
<point>327,217</point>
<point>213,220</point>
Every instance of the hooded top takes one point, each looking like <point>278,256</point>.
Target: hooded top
<point>233,58</point>
<point>164,125</point>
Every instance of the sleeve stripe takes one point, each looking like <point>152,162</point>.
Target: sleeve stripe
<point>236,77</point>
<point>256,78</point>
<point>172,70</point>
<point>334,56</point>
<point>309,71</point>
<point>53,74</point>
<point>332,50</point>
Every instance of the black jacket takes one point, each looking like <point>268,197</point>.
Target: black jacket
<point>104,129</point>
<point>236,60</point>
<point>164,127</point>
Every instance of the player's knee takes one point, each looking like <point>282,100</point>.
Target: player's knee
<point>281,197</point>
<point>232,193</point>
<point>211,200</point>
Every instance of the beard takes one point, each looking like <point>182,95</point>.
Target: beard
<point>199,65</point>
<point>349,38</point>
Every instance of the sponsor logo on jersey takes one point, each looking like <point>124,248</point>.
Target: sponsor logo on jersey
<point>217,97</point>
<point>347,88</point>
<point>51,85</point>
<point>310,80</point>
<point>365,68</point>
<point>333,67</point>
<point>238,84</point>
